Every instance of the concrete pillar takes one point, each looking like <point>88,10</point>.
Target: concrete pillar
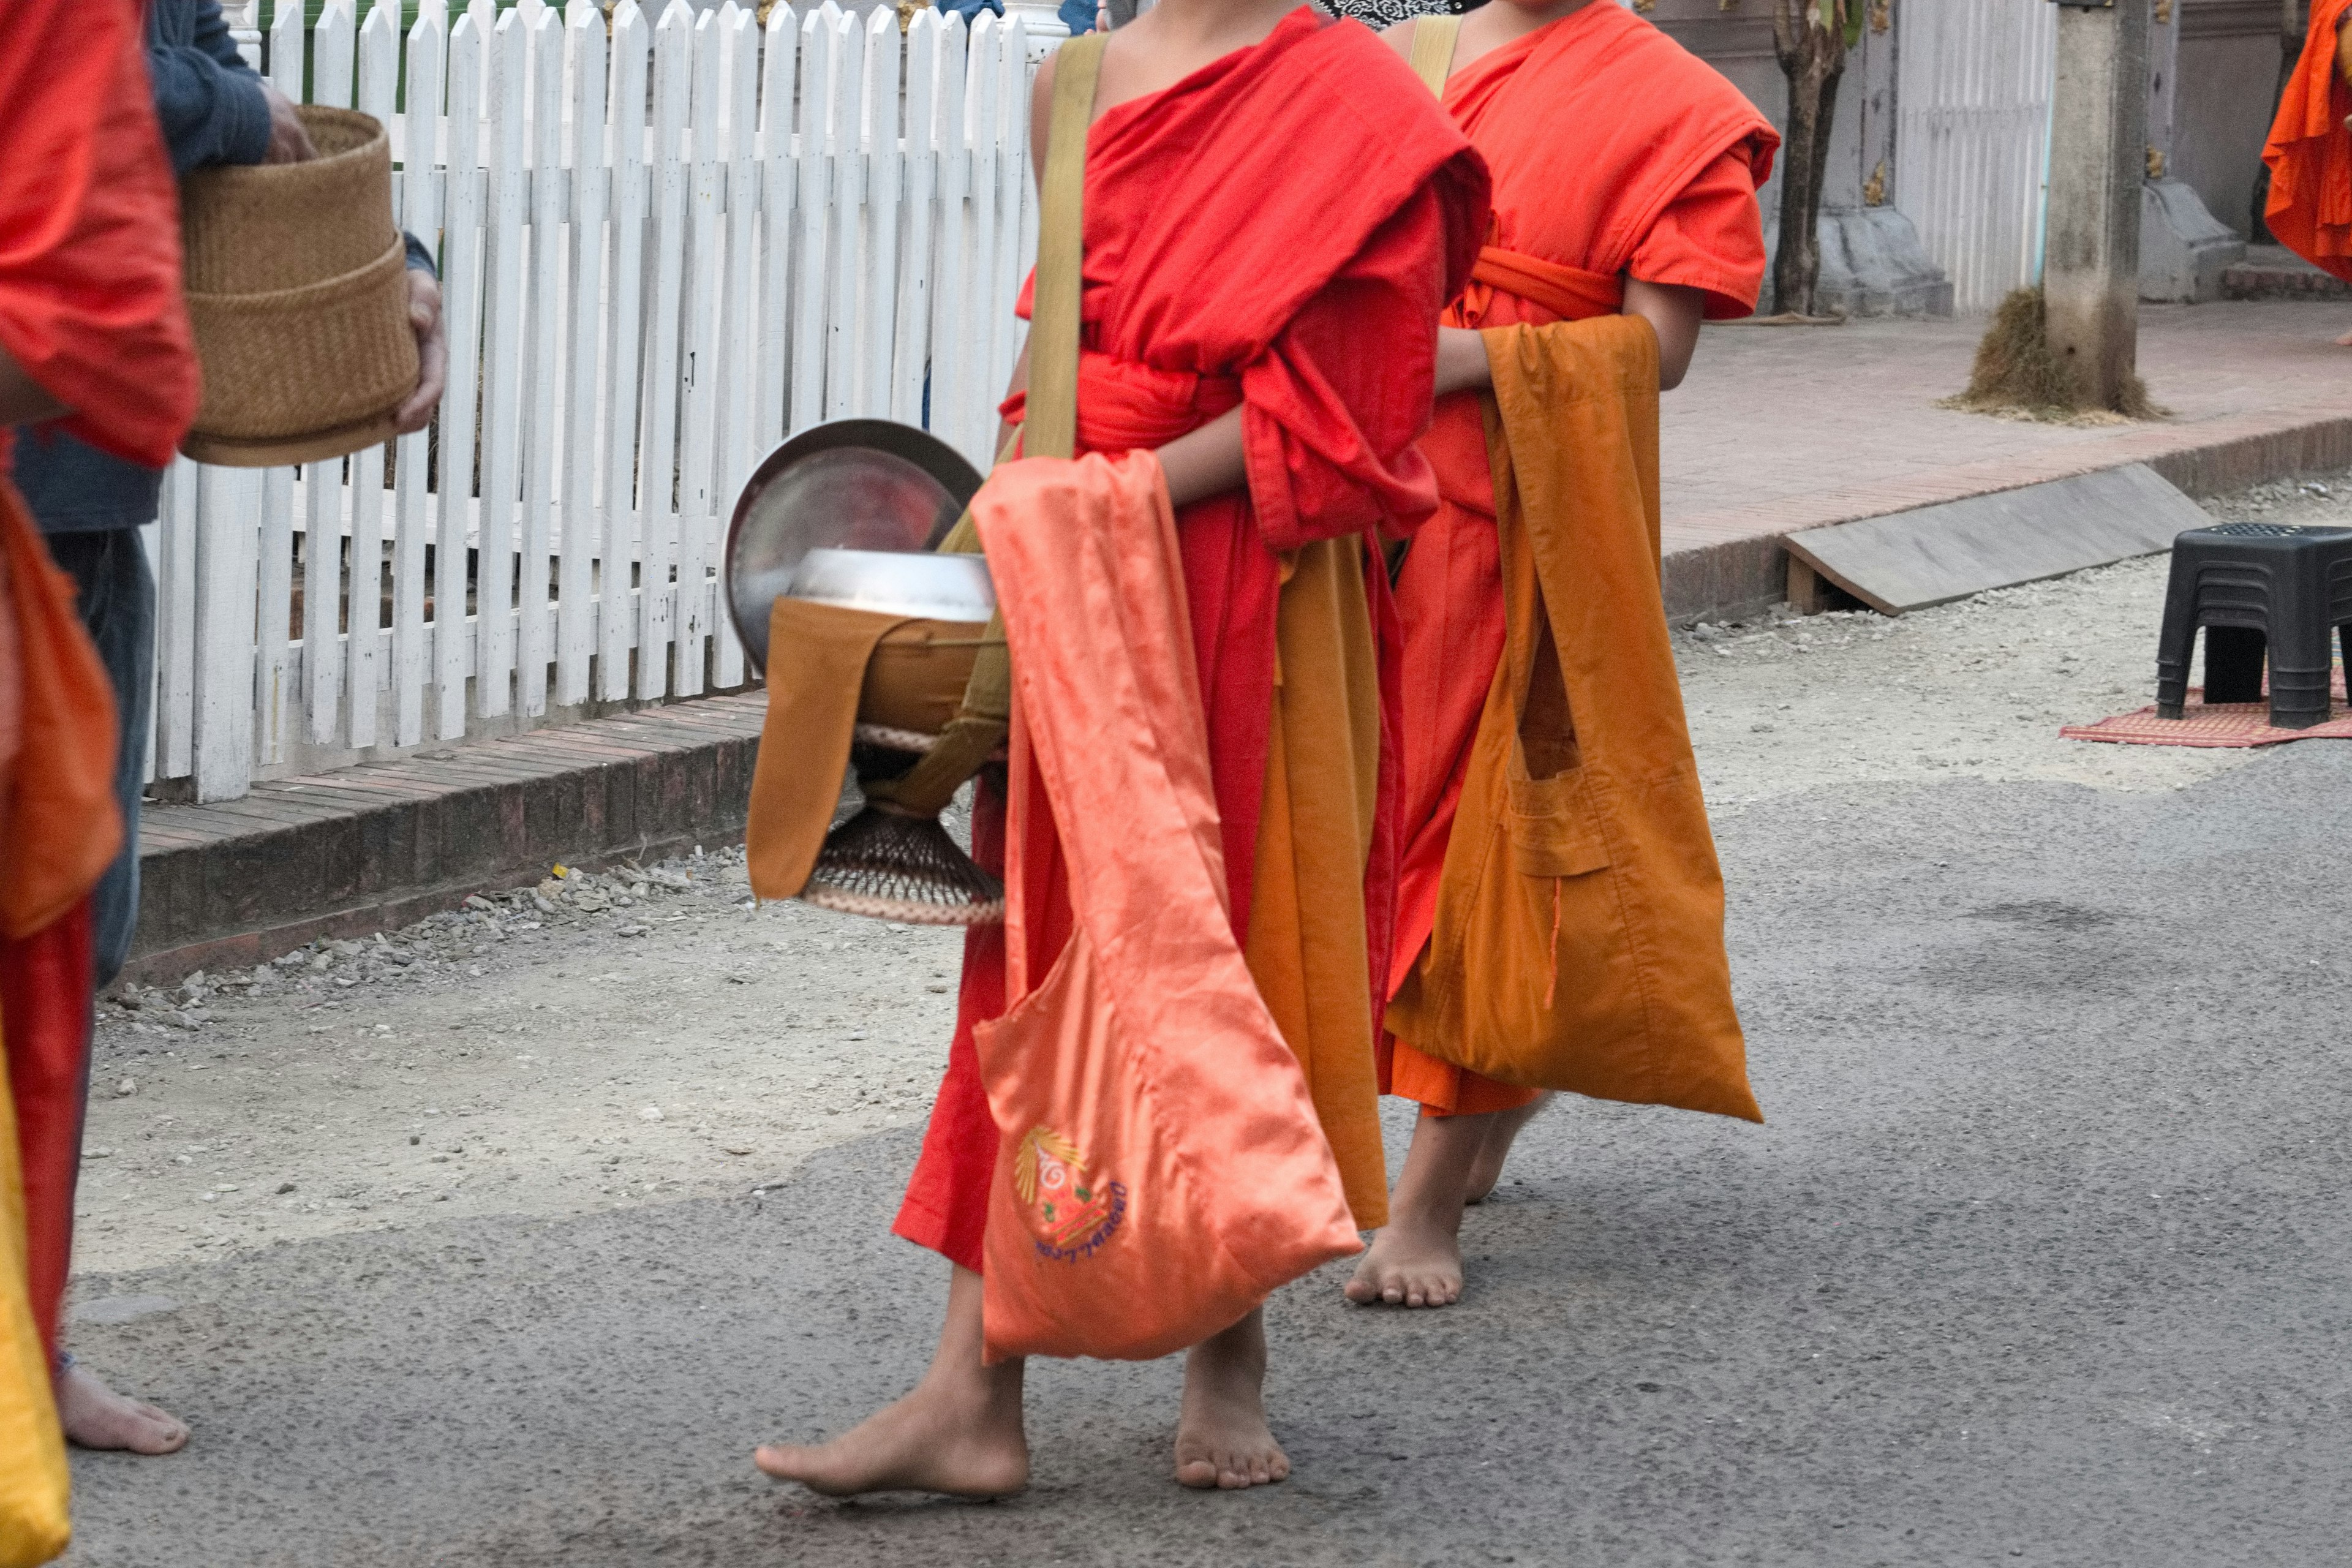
<point>2098,160</point>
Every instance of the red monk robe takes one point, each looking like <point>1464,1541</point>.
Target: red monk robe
<point>1274,231</point>
<point>1615,154</point>
<point>90,310</point>
<point>2310,153</point>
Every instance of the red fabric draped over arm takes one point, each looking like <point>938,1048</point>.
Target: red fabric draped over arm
<point>89,229</point>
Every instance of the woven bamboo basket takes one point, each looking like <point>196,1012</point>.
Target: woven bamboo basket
<point>299,296</point>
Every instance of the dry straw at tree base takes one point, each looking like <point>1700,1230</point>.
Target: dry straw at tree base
<point>2017,377</point>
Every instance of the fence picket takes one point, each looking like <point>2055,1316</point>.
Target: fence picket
<point>420,214</point>
<point>820,80</point>
<point>673,176</point>
<point>504,390</point>
<point>617,617</point>
<point>983,78</point>
<point>949,245</point>
<point>705,278</point>
<point>461,311</point>
<point>845,185</point>
<point>584,382</point>
<point>543,426</point>
<point>1010,143</point>
<point>877,311</point>
<point>772,326</point>
<point>175,635</point>
<point>363,667</point>
<point>739,410</point>
<point>917,177</point>
<point>227,500</point>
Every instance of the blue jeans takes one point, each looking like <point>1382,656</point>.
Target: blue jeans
<point>116,595</point>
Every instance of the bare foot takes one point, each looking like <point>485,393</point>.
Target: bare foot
<point>2345,342</point>
<point>1487,1168</point>
<point>95,1417</point>
<point>1416,1261</point>
<point>1222,1437</point>
<point>958,1432</point>
<point>934,1440</point>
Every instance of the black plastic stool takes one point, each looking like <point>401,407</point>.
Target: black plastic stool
<point>2257,588</point>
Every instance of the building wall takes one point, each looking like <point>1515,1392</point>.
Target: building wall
<point>2226,84</point>
<point>1735,37</point>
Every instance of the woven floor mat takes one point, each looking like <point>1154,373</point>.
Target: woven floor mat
<point>2213,724</point>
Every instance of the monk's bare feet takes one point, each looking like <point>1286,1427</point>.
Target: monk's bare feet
<point>95,1417</point>
<point>2345,342</point>
<point>1222,1437</point>
<point>1416,1259</point>
<point>958,1432</point>
<point>1487,1170</point>
<point>934,1440</point>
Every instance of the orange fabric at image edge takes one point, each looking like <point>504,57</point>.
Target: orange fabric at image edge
<point>2310,153</point>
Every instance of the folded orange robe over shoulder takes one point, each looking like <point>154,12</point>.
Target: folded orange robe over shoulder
<point>2310,153</point>
<point>1578,934</point>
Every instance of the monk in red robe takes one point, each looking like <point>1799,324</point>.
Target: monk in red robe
<point>2310,151</point>
<point>1624,176</point>
<point>93,334</point>
<point>1272,224</point>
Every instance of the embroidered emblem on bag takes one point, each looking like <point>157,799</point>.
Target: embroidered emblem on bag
<point>1070,1214</point>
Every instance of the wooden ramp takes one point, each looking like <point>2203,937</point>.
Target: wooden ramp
<point>1933,555</point>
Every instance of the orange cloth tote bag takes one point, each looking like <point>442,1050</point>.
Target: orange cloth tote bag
<point>1161,1169</point>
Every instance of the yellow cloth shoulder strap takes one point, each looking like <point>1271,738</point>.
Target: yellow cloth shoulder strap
<point>1052,427</point>
<point>1433,38</point>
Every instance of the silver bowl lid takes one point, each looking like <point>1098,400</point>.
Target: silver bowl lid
<point>867,486</point>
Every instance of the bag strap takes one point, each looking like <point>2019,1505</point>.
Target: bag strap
<point>1433,38</point>
<point>1051,430</point>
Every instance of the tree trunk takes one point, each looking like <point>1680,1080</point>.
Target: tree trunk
<point>1814,59</point>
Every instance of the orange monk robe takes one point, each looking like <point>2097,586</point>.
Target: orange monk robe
<point>2310,153</point>
<point>90,309</point>
<point>1615,154</point>
<point>1278,230</point>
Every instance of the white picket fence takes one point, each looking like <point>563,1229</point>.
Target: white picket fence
<point>664,244</point>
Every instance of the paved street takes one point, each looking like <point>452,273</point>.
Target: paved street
<point>2040,1256</point>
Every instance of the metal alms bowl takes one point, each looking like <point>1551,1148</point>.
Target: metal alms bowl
<point>927,587</point>
<point>860,485</point>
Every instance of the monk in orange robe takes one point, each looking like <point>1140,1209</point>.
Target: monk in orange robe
<point>1624,176</point>
<point>1273,222</point>
<point>2310,151</point>
<point>93,334</point>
